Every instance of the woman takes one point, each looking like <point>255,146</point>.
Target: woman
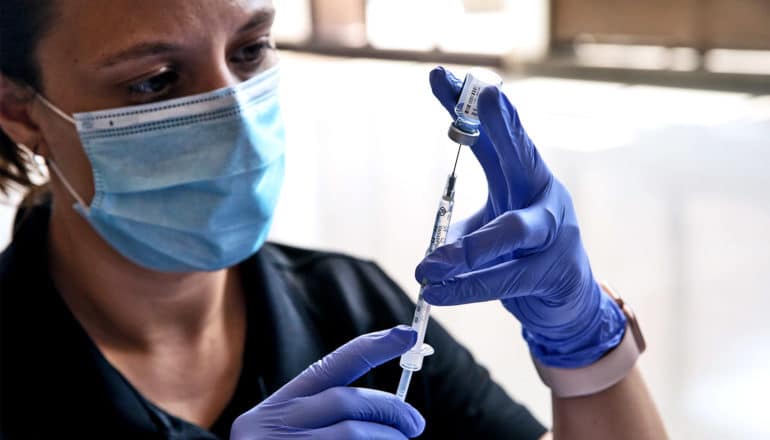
<point>140,301</point>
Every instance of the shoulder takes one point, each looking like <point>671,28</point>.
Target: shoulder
<point>302,259</point>
<point>320,266</point>
<point>6,259</point>
<point>33,318</point>
<point>45,351</point>
<point>23,263</point>
<point>337,283</point>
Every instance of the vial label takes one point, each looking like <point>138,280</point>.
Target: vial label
<point>467,108</point>
<point>470,98</point>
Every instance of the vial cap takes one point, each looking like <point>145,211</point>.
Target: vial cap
<point>463,137</point>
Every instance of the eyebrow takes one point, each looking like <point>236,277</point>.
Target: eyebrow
<point>139,51</point>
<point>258,19</point>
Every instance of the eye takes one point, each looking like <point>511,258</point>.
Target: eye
<point>253,54</point>
<point>154,86</point>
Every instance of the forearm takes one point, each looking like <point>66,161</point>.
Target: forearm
<point>625,410</point>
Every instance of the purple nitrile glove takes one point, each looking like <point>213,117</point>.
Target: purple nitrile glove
<point>318,404</point>
<point>523,247</point>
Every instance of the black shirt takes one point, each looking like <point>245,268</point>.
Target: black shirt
<point>301,305</point>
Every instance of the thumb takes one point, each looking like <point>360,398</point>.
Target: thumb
<point>349,362</point>
<point>446,88</point>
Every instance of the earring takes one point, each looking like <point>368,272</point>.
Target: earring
<point>39,160</point>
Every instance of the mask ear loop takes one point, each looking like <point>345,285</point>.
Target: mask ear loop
<point>40,160</point>
<point>49,162</point>
<point>55,109</point>
<point>52,165</point>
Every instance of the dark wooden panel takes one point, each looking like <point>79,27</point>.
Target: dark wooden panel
<point>640,21</point>
<point>339,22</point>
<point>737,24</point>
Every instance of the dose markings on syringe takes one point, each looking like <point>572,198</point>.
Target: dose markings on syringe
<point>418,313</point>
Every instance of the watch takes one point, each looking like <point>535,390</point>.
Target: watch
<point>605,372</point>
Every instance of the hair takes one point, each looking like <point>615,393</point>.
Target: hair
<point>22,25</point>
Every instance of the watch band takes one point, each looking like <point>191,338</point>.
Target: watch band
<point>608,370</point>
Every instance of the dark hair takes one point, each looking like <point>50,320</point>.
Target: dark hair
<point>22,25</point>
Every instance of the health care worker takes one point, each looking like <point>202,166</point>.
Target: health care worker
<point>139,299</point>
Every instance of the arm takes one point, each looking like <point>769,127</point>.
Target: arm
<point>524,248</point>
<point>624,410</point>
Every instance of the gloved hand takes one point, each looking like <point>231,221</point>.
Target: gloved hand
<point>523,247</point>
<point>317,404</point>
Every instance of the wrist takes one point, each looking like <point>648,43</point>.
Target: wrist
<point>605,372</point>
<point>598,327</point>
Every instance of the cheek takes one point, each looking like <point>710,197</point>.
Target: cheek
<point>66,150</point>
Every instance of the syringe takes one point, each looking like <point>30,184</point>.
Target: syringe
<point>411,361</point>
<point>465,131</point>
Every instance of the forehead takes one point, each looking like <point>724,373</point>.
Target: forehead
<point>90,28</point>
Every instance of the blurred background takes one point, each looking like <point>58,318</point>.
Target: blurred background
<point>655,114</point>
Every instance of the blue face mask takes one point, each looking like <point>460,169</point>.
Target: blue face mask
<point>188,184</point>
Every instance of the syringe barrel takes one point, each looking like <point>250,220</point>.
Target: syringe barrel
<point>412,359</point>
<point>443,219</point>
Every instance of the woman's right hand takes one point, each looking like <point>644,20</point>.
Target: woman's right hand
<point>318,404</point>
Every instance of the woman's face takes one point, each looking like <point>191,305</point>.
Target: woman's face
<point>106,54</point>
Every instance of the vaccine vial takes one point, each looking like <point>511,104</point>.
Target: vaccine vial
<point>465,129</point>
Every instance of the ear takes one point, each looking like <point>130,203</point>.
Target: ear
<point>15,113</point>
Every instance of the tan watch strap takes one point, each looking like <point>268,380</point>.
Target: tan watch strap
<point>608,370</point>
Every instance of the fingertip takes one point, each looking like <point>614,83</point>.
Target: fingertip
<point>418,422</point>
<point>438,78</point>
<point>445,87</point>
<point>493,102</point>
<point>437,72</point>
<point>421,271</point>
<point>419,274</point>
<point>441,264</point>
<point>433,295</point>
<point>393,341</point>
<point>440,73</point>
<point>405,335</point>
<point>490,98</point>
<point>424,272</point>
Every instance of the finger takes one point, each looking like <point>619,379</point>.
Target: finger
<point>505,280</point>
<point>349,362</point>
<point>446,87</point>
<point>521,164</point>
<point>511,235</point>
<point>355,430</point>
<point>467,225</point>
<point>345,403</point>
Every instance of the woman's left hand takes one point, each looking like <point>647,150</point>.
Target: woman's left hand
<point>523,247</point>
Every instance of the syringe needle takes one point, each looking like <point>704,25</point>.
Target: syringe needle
<point>450,185</point>
<point>457,158</point>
